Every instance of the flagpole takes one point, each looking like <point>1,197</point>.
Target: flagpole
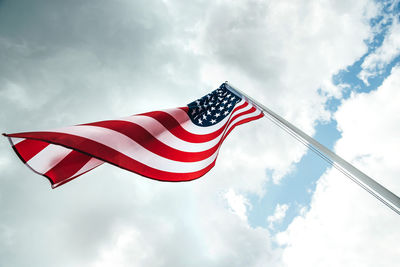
<point>370,185</point>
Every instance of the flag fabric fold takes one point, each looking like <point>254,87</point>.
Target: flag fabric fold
<point>179,144</point>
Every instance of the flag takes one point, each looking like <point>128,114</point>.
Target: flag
<point>178,144</point>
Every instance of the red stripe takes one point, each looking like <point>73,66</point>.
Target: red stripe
<point>148,141</point>
<point>171,124</point>
<point>111,156</point>
<point>75,160</point>
<point>241,122</point>
<point>73,177</point>
<point>185,108</point>
<point>140,135</point>
<point>27,149</point>
<point>67,167</point>
<point>253,109</point>
<point>84,149</point>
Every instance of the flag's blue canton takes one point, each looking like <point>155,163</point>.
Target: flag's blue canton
<point>213,108</point>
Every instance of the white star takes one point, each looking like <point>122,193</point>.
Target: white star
<point>232,98</point>
<point>200,121</point>
<point>226,112</point>
<point>208,112</point>
<point>225,101</point>
<point>197,102</point>
<point>229,105</point>
<point>212,108</point>
<point>217,115</point>
<point>193,112</point>
<point>204,116</point>
<point>213,121</point>
<point>221,108</point>
<point>229,95</point>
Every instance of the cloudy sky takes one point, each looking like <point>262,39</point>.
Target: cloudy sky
<point>331,67</point>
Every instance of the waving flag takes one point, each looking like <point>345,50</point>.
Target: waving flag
<point>179,144</point>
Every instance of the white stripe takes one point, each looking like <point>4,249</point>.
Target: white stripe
<point>159,132</point>
<point>240,118</point>
<point>163,135</point>
<point>48,158</point>
<point>15,140</point>
<point>91,164</point>
<point>132,149</point>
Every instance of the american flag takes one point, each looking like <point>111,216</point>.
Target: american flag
<point>179,144</point>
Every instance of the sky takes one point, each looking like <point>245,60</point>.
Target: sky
<point>330,67</point>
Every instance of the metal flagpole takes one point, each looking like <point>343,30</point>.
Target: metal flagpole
<point>370,185</point>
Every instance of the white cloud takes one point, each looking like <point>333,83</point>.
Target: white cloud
<point>346,226</point>
<point>238,204</point>
<point>283,63</point>
<point>125,242</point>
<point>278,216</point>
<point>375,63</point>
<point>82,62</point>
